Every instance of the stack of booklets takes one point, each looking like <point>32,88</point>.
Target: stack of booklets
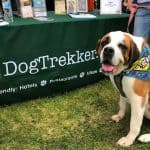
<point>73,6</point>
<point>30,9</point>
<point>2,21</point>
<point>39,8</point>
<point>24,8</point>
<point>60,7</point>
<point>7,10</point>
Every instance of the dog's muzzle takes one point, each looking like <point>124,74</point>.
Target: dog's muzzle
<point>108,54</point>
<point>107,65</point>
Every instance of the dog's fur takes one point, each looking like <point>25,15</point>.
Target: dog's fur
<point>120,50</point>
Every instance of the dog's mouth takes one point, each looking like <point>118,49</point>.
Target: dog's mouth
<point>108,68</point>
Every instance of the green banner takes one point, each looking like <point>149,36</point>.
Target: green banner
<point>46,58</point>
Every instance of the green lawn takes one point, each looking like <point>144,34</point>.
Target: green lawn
<point>77,120</point>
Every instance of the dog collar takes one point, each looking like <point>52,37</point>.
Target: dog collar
<point>141,68</point>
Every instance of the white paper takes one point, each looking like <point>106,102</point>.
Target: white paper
<point>82,16</point>
<point>3,23</point>
<point>110,6</point>
<point>43,19</point>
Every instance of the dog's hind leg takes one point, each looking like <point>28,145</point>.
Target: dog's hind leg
<point>122,110</point>
<point>145,138</point>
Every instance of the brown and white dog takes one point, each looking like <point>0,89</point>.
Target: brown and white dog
<point>118,51</point>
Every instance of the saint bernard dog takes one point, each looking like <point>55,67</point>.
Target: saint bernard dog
<point>126,60</point>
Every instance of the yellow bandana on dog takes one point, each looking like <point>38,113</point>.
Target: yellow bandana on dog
<point>141,68</point>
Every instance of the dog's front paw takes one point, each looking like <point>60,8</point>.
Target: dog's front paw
<point>145,138</point>
<point>125,142</point>
<point>117,117</point>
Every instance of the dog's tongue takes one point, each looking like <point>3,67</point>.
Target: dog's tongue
<point>107,68</point>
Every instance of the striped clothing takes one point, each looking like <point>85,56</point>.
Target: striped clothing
<point>141,1</point>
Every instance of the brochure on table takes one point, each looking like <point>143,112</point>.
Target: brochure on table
<point>110,6</point>
<point>39,8</point>
<point>26,8</point>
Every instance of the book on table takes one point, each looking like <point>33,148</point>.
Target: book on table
<point>60,7</point>
<point>23,8</point>
<point>39,8</point>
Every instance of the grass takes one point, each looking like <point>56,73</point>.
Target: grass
<point>77,120</point>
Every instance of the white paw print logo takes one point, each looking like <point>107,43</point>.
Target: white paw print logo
<point>82,74</point>
<point>43,82</point>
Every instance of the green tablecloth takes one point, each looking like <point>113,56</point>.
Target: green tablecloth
<point>45,58</point>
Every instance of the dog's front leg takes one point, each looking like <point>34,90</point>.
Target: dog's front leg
<point>122,110</point>
<point>137,113</point>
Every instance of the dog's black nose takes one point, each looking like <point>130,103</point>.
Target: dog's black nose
<point>108,52</point>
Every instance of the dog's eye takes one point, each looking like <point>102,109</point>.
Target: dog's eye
<point>122,47</point>
<point>105,41</point>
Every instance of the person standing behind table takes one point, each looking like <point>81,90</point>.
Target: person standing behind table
<point>142,17</point>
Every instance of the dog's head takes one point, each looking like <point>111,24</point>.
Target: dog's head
<point>118,50</point>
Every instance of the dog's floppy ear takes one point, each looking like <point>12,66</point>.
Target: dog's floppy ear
<point>134,53</point>
<point>98,46</point>
<point>102,42</point>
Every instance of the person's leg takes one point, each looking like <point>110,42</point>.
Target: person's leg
<point>142,24</point>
